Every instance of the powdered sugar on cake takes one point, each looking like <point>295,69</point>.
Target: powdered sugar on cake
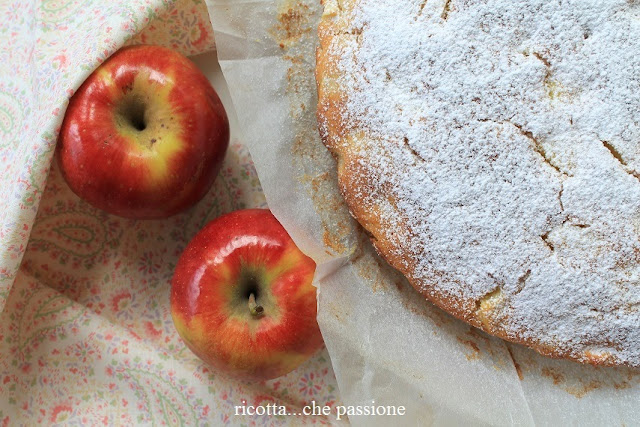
<point>508,134</point>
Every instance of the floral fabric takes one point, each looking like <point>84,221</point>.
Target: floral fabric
<point>86,335</point>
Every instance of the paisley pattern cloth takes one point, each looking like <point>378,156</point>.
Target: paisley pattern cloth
<point>86,335</point>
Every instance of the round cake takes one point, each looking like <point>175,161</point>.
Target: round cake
<point>491,149</point>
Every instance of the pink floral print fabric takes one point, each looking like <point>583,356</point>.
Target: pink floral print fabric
<point>86,335</point>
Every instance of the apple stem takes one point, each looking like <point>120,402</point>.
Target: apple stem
<point>255,309</point>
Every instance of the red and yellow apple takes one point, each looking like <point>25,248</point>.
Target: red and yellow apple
<point>145,134</point>
<point>242,297</point>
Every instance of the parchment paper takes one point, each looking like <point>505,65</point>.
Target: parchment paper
<point>387,344</point>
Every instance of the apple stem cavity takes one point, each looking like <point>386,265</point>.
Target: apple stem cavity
<point>133,110</point>
<point>255,309</point>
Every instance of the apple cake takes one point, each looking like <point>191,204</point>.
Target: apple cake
<point>491,149</point>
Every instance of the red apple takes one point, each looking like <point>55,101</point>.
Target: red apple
<point>242,298</point>
<point>144,136</point>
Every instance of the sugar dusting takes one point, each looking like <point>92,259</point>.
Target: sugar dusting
<point>511,138</point>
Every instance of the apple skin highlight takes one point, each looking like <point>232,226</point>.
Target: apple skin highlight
<point>239,254</point>
<point>144,136</point>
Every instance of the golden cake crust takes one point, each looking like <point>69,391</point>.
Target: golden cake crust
<point>345,136</point>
